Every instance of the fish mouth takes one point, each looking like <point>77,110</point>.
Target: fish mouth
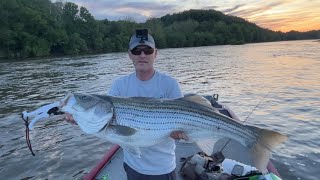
<point>65,102</point>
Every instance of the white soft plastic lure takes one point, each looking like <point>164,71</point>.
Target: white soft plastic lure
<point>42,112</point>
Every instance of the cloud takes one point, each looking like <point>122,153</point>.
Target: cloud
<point>300,21</point>
<point>148,6</point>
<point>252,9</point>
<point>273,14</point>
<point>209,7</point>
<point>115,10</point>
<point>230,10</point>
<point>284,15</point>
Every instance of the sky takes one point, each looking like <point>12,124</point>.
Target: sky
<point>277,15</point>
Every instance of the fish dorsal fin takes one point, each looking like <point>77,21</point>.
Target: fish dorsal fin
<point>198,99</point>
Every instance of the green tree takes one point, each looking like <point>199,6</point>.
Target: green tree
<point>70,17</point>
<point>32,28</point>
<point>75,45</point>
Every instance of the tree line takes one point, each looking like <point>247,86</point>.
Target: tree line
<point>36,28</point>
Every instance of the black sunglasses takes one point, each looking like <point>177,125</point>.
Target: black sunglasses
<point>146,51</point>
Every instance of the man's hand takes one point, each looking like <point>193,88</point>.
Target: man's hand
<point>177,135</point>
<point>69,119</point>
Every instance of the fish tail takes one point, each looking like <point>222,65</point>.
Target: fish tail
<point>262,148</point>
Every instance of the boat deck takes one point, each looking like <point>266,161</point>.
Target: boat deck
<point>114,169</point>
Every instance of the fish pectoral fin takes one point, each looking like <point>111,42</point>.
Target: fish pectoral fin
<point>123,130</point>
<point>206,145</point>
<point>133,150</point>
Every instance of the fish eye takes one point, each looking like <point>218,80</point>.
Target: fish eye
<point>84,97</point>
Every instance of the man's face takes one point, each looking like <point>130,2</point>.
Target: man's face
<point>143,57</point>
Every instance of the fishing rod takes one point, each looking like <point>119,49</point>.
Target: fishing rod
<point>249,115</point>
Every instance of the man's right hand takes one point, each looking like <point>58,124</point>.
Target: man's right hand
<point>69,118</point>
<point>177,135</point>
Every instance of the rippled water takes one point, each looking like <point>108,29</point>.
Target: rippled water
<point>284,75</point>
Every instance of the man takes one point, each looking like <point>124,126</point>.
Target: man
<point>157,162</point>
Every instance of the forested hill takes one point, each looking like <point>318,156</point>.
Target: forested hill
<point>35,28</point>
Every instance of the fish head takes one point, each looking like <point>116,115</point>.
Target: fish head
<point>91,112</point>
<point>83,102</point>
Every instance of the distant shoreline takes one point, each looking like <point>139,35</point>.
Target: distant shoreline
<point>2,59</point>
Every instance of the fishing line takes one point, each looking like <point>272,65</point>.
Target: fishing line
<point>258,104</point>
<point>249,115</point>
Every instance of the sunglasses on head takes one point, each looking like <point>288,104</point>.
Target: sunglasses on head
<point>146,51</point>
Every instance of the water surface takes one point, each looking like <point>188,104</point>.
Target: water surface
<point>283,76</point>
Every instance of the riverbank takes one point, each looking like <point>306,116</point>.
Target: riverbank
<point>5,59</point>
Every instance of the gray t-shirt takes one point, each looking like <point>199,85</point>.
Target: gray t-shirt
<point>158,159</point>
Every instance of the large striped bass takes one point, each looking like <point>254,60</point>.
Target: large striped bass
<point>141,122</point>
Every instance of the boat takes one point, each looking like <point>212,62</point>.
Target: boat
<point>111,165</point>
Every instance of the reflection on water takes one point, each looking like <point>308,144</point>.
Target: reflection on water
<point>284,75</point>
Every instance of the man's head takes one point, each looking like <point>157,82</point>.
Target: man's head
<point>142,51</point>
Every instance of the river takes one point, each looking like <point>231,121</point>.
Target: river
<point>284,76</point>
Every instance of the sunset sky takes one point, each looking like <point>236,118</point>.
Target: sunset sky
<point>283,15</point>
